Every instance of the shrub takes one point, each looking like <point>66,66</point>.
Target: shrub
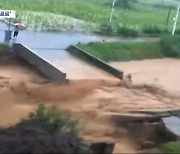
<point>125,31</point>
<point>171,147</point>
<point>151,30</point>
<point>3,47</point>
<point>106,29</point>
<point>160,6</point>
<point>48,130</point>
<point>177,31</point>
<point>123,4</point>
<point>51,120</point>
<point>170,45</point>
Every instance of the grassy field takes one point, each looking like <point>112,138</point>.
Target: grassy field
<point>53,22</point>
<point>171,147</point>
<point>136,15</point>
<point>167,46</point>
<point>124,51</point>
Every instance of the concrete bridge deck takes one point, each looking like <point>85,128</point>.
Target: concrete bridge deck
<point>72,66</point>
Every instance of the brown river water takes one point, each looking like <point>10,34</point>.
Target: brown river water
<point>22,89</point>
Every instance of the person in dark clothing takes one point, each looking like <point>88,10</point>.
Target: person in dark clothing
<point>16,31</point>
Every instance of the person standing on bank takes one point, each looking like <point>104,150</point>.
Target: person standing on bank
<point>16,31</point>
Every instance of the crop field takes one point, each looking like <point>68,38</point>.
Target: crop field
<point>133,14</point>
<point>167,46</point>
<point>124,51</point>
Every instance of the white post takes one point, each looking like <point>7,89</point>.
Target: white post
<point>112,11</point>
<point>175,20</point>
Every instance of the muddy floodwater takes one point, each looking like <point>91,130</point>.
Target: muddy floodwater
<point>164,73</point>
<point>22,89</point>
<point>90,93</point>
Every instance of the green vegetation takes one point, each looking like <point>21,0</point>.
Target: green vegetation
<point>171,147</point>
<point>125,31</point>
<point>51,120</point>
<point>124,51</point>
<point>134,14</point>
<point>168,46</point>
<point>152,30</point>
<point>3,47</point>
<point>48,130</point>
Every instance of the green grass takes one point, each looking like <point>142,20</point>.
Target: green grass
<point>3,47</point>
<point>171,147</point>
<point>167,46</point>
<point>142,13</point>
<point>124,51</point>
